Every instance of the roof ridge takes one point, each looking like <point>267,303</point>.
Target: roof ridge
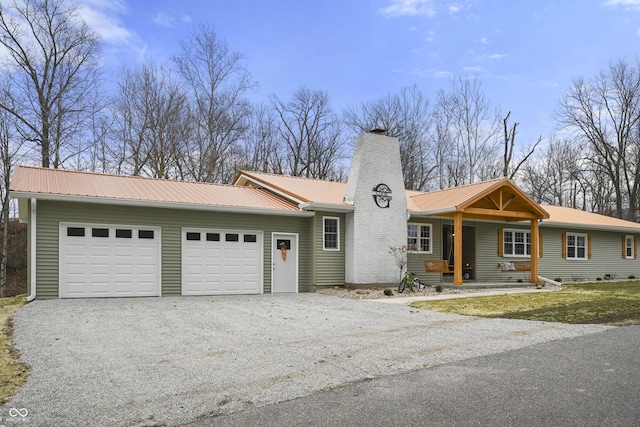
<point>113,175</point>
<point>422,193</point>
<point>289,176</point>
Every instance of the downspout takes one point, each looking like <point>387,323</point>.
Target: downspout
<point>32,249</point>
<point>551,282</point>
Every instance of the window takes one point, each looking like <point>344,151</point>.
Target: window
<point>629,247</point>
<point>419,237</point>
<point>517,243</point>
<point>99,232</point>
<point>213,237</point>
<point>193,236</point>
<point>576,246</point>
<point>145,234</point>
<point>250,238</point>
<point>331,233</point>
<point>123,234</point>
<point>75,231</point>
<point>231,237</point>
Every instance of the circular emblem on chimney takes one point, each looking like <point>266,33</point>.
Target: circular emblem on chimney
<point>382,195</point>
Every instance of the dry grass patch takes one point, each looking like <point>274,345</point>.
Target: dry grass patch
<point>612,303</point>
<point>13,373</point>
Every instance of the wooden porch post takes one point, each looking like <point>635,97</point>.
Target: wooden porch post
<point>534,251</point>
<point>457,245</point>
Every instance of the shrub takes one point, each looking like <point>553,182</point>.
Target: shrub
<point>632,277</point>
<point>558,279</point>
<point>438,288</point>
<point>388,292</point>
<point>598,278</point>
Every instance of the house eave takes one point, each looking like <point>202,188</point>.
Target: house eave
<point>326,207</point>
<point>589,227</point>
<point>157,204</point>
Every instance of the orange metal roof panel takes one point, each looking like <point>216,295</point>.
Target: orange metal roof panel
<point>82,184</point>
<point>303,189</point>
<point>564,215</point>
<point>450,198</point>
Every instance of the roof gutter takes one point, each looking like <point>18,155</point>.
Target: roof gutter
<point>434,212</point>
<point>327,207</point>
<point>575,226</point>
<point>155,204</point>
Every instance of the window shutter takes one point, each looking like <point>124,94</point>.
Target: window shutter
<point>624,246</point>
<point>589,244</point>
<point>500,243</point>
<point>564,245</point>
<point>635,247</point>
<point>540,251</point>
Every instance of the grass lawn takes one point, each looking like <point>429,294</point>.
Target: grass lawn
<point>611,303</point>
<point>13,373</point>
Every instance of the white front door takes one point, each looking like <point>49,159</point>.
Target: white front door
<point>284,258</point>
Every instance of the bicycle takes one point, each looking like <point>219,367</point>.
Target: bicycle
<point>410,281</point>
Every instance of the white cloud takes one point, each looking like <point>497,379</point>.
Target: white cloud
<point>454,8</point>
<point>625,3</point>
<point>483,40</point>
<point>409,7</point>
<point>102,16</point>
<point>474,69</point>
<point>185,18</point>
<point>497,56</point>
<point>164,20</point>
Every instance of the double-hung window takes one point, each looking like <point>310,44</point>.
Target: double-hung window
<point>331,233</point>
<point>629,246</point>
<point>576,246</point>
<point>419,238</point>
<point>517,243</point>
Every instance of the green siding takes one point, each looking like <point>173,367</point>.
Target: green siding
<point>415,260</point>
<point>171,221</point>
<point>606,256</point>
<point>328,266</point>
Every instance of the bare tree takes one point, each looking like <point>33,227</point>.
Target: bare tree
<point>508,169</point>
<point>604,112</point>
<point>219,82</point>
<point>10,153</point>
<point>474,125</point>
<point>52,65</point>
<point>152,123</point>
<point>557,176</point>
<point>311,134</point>
<point>406,116</point>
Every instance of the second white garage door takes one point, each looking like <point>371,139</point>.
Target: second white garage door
<point>221,262</point>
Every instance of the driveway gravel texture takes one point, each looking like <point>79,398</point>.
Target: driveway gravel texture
<point>171,360</point>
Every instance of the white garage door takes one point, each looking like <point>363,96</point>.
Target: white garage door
<point>221,262</point>
<point>109,261</point>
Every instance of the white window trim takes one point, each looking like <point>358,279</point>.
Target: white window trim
<point>421,224</point>
<point>586,247</point>
<point>324,233</point>
<point>513,255</point>
<point>627,247</point>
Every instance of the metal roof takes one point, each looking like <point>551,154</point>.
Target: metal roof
<point>45,183</point>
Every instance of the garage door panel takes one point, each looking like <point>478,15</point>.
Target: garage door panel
<point>118,265</point>
<point>219,267</point>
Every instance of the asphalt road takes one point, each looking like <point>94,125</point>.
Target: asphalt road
<point>591,380</point>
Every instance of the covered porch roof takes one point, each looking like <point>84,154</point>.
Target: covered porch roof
<point>498,200</point>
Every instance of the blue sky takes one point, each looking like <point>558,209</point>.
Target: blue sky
<point>524,52</point>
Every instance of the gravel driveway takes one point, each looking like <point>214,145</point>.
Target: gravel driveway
<point>167,361</point>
